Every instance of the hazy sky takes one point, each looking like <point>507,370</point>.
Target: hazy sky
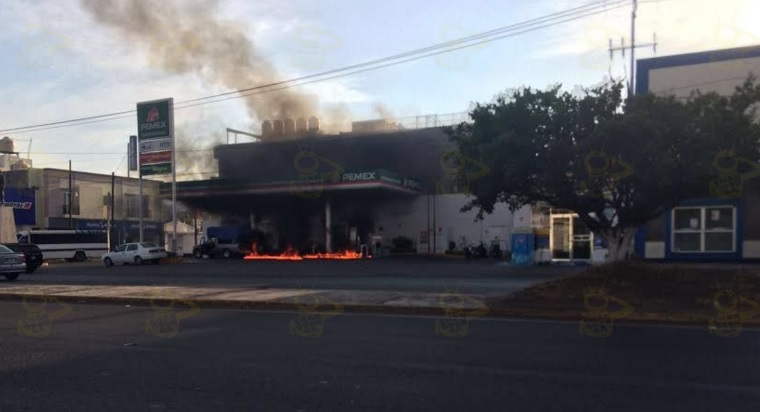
<point>59,63</point>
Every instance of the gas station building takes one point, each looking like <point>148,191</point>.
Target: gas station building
<point>336,192</point>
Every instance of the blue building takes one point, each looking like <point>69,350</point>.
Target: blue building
<point>721,228</point>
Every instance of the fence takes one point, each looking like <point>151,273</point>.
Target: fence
<point>432,120</point>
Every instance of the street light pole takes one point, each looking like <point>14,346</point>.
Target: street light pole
<point>71,204</point>
<point>113,207</point>
<point>631,85</point>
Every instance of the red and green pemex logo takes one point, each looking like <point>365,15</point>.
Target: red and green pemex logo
<point>153,115</point>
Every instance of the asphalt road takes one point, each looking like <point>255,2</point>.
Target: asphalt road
<point>250,361</point>
<point>485,278</point>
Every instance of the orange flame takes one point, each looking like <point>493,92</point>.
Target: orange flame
<point>345,255</point>
<point>290,254</point>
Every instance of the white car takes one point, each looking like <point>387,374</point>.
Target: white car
<point>136,253</point>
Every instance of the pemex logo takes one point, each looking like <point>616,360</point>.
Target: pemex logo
<point>152,115</point>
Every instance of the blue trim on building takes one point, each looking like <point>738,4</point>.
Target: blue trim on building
<point>643,66</point>
<point>24,217</point>
<point>712,256</point>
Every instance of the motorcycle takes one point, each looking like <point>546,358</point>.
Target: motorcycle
<point>472,251</point>
<point>496,251</point>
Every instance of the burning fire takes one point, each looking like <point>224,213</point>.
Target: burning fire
<point>345,255</point>
<point>290,254</point>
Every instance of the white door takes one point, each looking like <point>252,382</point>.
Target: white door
<point>118,254</point>
<point>570,238</point>
<point>129,255</point>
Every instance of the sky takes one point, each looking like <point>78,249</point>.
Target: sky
<point>60,63</point>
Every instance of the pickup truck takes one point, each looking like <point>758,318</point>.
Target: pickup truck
<point>213,248</point>
<point>32,254</point>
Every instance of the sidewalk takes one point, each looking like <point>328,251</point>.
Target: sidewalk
<point>393,302</point>
<point>244,298</point>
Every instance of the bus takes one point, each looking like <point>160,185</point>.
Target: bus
<point>72,245</point>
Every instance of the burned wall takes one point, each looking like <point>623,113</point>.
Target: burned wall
<point>415,154</point>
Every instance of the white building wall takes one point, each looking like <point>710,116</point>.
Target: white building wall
<point>522,220</point>
<point>185,237</point>
<point>409,218</point>
<point>720,77</point>
<point>92,190</point>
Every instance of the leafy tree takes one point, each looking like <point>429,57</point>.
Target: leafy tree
<point>618,164</point>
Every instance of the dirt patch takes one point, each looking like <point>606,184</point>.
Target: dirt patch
<point>647,288</point>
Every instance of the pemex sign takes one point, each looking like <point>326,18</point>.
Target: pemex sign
<point>155,135</point>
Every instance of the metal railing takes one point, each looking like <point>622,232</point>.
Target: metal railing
<point>414,122</point>
<point>431,120</point>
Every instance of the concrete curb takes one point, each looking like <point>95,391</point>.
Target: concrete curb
<point>234,304</point>
<point>577,315</point>
<point>561,315</point>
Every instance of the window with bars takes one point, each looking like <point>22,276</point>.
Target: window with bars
<point>704,229</point>
<point>74,209</point>
<point>133,206</point>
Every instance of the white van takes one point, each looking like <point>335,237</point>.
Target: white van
<point>72,245</point>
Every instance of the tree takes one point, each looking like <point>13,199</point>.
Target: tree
<point>617,164</point>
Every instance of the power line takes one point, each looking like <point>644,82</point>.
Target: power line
<point>438,46</point>
<point>268,88</point>
<point>76,161</point>
<point>113,153</point>
<point>670,89</point>
<point>120,162</point>
<point>503,32</point>
<point>397,62</point>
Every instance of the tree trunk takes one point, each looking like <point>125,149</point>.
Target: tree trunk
<point>619,243</point>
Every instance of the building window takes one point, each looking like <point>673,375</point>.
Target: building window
<point>74,202</point>
<point>704,229</point>
<point>133,207</point>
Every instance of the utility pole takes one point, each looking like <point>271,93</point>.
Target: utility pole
<point>435,238</point>
<point>113,198</point>
<point>632,47</point>
<point>71,204</point>
<point>174,183</point>
<point>107,203</point>
<point>427,234</point>
<point>113,207</point>
<point>195,226</point>
<point>140,184</point>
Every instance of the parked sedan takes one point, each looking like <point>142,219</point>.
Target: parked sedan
<point>32,254</point>
<point>12,263</point>
<point>136,253</point>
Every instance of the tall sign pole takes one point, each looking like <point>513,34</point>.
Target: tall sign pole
<point>133,165</point>
<point>71,217</point>
<point>112,205</point>
<point>174,184</point>
<point>132,155</point>
<point>155,134</point>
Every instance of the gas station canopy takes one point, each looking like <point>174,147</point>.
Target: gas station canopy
<point>304,186</point>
